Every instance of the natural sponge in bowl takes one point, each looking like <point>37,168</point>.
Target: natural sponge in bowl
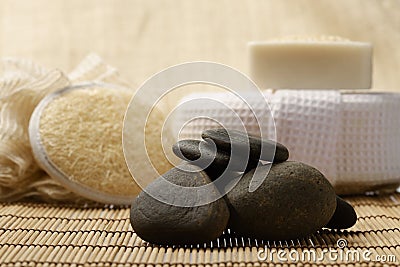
<point>76,136</point>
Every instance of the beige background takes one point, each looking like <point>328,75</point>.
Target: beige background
<point>142,37</point>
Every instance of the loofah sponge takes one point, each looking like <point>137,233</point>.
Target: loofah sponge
<point>76,136</point>
<point>24,85</point>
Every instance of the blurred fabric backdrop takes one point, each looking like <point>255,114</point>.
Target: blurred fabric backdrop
<point>143,37</point>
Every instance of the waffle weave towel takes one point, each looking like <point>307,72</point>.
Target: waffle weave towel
<point>352,138</point>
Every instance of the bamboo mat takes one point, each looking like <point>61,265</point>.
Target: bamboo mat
<point>52,235</point>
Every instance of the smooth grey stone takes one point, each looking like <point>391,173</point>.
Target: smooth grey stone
<point>166,224</point>
<point>260,149</point>
<point>293,201</point>
<point>344,217</point>
<point>201,154</point>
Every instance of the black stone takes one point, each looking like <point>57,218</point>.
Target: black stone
<point>166,224</point>
<point>344,217</point>
<point>293,201</point>
<point>260,149</point>
<point>201,154</point>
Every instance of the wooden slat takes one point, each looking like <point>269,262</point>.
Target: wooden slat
<point>53,235</point>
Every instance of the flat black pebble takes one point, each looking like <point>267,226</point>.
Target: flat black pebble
<point>293,201</point>
<point>201,154</point>
<point>344,217</point>
<point>260,149</point>
<point>165,224</point>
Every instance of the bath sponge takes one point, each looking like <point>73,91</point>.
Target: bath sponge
<point>76,136</point>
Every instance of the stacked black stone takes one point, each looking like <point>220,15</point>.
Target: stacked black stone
<point>293,200</point>
<point>214,153</point>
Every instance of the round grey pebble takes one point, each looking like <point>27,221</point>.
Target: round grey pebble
<point>202,154</point>
<point>293,201</point>
<point>260,149</point>
<point>161,223</point>
<point>344,217</point>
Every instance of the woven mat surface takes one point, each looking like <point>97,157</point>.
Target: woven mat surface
<point>52,235</point>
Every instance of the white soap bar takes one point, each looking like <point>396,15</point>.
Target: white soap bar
<point>325,63</point>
